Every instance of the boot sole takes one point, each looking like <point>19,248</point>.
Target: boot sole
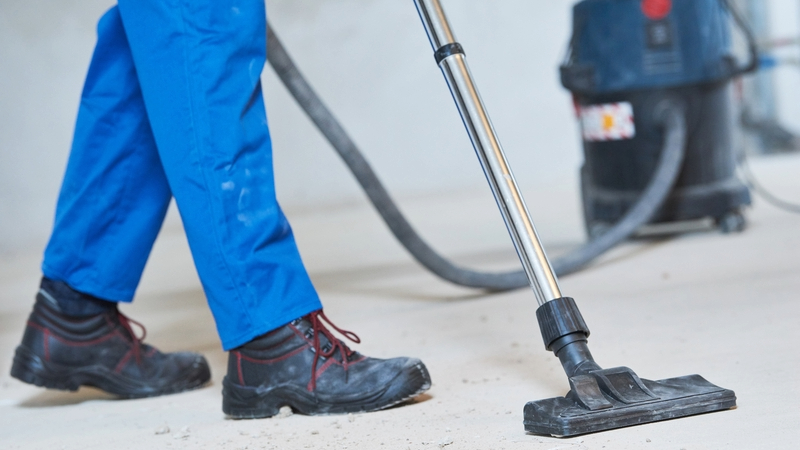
<point>244,402</point>
<point>32,369</point>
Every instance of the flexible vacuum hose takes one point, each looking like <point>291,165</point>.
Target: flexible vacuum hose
<point>642,211</point>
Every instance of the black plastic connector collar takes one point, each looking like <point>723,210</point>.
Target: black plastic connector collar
<point>447,50</point>
<point>559,318</point>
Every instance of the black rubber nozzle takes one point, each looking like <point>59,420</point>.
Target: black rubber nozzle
<point>601,399</point>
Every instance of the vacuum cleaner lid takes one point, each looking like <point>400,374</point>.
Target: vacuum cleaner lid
<point>623,45</point>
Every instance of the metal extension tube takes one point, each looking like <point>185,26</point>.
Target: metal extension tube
<point>453,63</point>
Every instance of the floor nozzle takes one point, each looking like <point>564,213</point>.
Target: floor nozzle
<point>603,399</point>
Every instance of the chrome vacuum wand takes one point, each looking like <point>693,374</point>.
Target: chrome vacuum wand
<point>450,57</point>
<point>599,399</point>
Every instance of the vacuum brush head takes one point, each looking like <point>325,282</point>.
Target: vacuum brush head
<point>613,398</point>
<point>603,399</point>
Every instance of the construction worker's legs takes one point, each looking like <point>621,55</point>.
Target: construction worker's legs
<point>173,106</point>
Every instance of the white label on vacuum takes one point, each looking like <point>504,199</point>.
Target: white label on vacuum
<point>607,122</point>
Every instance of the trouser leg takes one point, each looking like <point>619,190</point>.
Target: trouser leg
<point>114,194</point>
<point>199,64</point>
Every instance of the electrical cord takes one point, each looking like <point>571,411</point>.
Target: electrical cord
<point>670,161</point>
<point>750,180</point>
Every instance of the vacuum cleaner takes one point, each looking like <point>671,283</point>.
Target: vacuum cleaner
<point>625,59</point>
<point>599,399</point>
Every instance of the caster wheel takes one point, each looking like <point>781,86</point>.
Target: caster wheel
<point>732,222</point>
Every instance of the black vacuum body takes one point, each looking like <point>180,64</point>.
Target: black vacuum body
<point>626,58</point>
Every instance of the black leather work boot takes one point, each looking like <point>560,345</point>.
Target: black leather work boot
<point>101,350</point>
<point>304,366</point>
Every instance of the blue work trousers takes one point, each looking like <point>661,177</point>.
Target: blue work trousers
<point>172,106</point>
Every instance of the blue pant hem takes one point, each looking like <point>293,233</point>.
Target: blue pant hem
<point>265,327</point>
<point>110,295</point>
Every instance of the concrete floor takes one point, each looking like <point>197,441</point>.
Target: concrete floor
<point>724,306</point>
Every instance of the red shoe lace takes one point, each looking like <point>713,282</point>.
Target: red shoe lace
<point>316,319</point>
<point>136,341</point>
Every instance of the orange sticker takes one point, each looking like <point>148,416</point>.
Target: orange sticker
<point>607,122</point>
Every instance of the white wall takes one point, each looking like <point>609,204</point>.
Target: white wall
<point>784,18</point>
<point>369,60</point>
<point>45,48</point>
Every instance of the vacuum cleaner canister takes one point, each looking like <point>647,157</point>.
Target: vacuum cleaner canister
<point>628,56</point>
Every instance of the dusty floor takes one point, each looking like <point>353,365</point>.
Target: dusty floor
<point>724,306</point>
